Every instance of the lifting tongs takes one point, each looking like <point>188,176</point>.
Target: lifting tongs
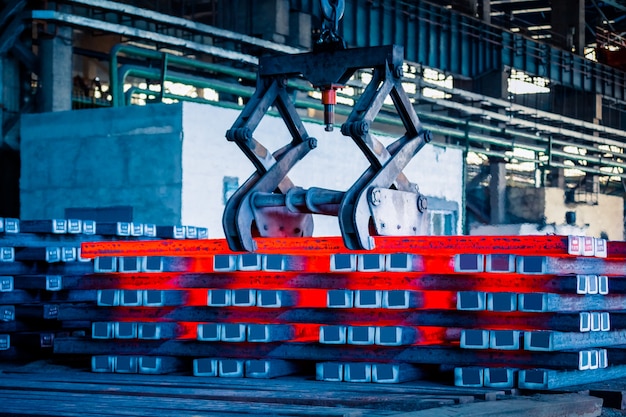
<point>381,202</point>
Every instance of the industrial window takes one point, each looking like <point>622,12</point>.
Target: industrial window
<point>230,185</point>
<point>442,222</point>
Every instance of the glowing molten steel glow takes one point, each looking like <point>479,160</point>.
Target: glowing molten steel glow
<point>545,245</point>
<point>427,289</point>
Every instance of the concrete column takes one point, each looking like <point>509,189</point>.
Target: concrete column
<point>493,84</point>
<point>497,191</point>
<point>485,10</point>
<point>10,101</point>
<point>55,74</point>
<point>598,111</point>
<point>300,29</point>
<point>556,178</point>
<point>568,23</point>
<point>271,20</point>
<point>469,7</point>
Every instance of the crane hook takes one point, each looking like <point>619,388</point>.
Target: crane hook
<point>333,12</point>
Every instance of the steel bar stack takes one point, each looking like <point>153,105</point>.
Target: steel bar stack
<point>42,270</point>
<point>536,312</point>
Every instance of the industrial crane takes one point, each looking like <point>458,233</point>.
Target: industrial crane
<point>381,202</point>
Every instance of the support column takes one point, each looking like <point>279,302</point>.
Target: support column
<point>485,10</point>
<point>55,74</point>
<point>556,178</point>
<point>300,29</point>
<point>271,20</point>
<point>568,23</point>
<point>495,84</point>
<point>469,7</point>
<point>497,191</point>
<point>2,98</point>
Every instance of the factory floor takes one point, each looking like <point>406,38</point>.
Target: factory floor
<point>46,388</point>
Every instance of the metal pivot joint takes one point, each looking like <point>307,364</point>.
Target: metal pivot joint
<point>381,202</point>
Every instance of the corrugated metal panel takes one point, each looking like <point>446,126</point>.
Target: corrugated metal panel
<point>432,35</point>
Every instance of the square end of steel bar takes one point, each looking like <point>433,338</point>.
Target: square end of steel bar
<point>467,262</point>
<point>361,335</point>
<point>531,264</point>
<point>500,377</point>
<point>371,262</point>
<point>470,300</point>
<point>209,332</point>
<point>474,339</point>
<point>532,302</point>
<point>224,263</point>
<point>504,339</point>
<point>340,299</point>
<point>334,335</point>
<point>218,297</point>
<point>502,301</point>
<point>357,372</point>
<point>105,264</point>
<point>249,262</point>
<point>6,283</point>
<point>500,263</point>
<point>468,377</point>
<point>342,262</point>
<point>205,367</point>
<point>109,298</point>
<point>368,298</point>
<point>329,371</point>
<point>274,263</point>
<point>399,262</point>
<point>103,364</point>
<point>231,368</point>
<point>538,340</point>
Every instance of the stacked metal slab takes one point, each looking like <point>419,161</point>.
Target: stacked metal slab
<point>42,272</point>
<point>534,312</point>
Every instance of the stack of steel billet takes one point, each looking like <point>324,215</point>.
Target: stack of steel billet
<point>41,269</point>
<point>535,312</point>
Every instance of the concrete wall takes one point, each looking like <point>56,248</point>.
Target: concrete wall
<point>335,164</point>
<point>526,204</point>
<point>529,204</point>
<point>169,161</point>
<point>607,216</point>
<point>103,157</point>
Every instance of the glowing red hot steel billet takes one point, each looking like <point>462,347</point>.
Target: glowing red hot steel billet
<point>529,245</point>
<point>265,280</point>
<point>616,249</point>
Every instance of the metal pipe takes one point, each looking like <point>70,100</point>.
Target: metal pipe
<point>314,200</point>
<point>116,80</point>
<point>117,77</point>
<point>128,70</point>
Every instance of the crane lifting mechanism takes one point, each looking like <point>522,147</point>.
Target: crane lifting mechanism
<point>381,202</point>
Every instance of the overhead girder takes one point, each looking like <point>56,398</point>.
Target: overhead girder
<point>468,48</point>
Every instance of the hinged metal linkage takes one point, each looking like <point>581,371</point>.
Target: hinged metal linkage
<point>381,202</point>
